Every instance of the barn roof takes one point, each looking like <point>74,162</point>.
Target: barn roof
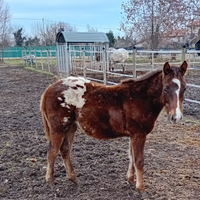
<point>198,42</point>
<point>81,37</point>
<point>197,46</point>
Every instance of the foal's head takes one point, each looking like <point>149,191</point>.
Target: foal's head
<point>174,86</point>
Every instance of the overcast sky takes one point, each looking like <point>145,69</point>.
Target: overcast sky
<point>104,15</point>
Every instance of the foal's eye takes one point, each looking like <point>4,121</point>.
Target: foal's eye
<point>165,89</point>
<point>184,89</point>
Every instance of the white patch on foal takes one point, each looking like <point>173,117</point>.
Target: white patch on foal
<point>59,98</point>
<point>74,96</point>
<point>65,119</point>
<point>178,111</point>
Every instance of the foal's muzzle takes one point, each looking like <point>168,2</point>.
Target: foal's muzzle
<point>174,118</point>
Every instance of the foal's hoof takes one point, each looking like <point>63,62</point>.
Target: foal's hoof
<point>144,196</point>
<point>50,181</point>
<point>73,178</point>
<point>130,179</point>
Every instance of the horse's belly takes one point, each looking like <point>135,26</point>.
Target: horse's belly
<point>102,125</point>
<point>98,132</point>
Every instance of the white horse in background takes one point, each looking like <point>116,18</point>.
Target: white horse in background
<point>117,56</point>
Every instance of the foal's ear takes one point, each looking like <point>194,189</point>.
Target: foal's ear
<point>184,67</point>
<point>166,68</point>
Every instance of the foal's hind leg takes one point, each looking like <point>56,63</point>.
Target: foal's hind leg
<point>65,151</point>
<point>52,152</point>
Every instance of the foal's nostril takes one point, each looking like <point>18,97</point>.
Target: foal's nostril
<point>173,119</point>
<point>170,119</point>
<point>176,118</point>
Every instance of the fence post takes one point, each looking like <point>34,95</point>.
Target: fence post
<point>104,66</point>
<point>108,60</point>
<point>41,58</point>
<point>35,58</point>
<point>134,62</point>
<point>25,58</point>
<point>51,63</point>
<point>22,52</point>
<point>30,56</point>
<point>84,69</point>
<point>183,51</point>
<point>48,60</point>
<point>189,61</point>
<point>56,57</point>
<point>152,65</point>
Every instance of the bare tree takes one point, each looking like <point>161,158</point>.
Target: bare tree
<point>153,20</point>
<point>91,29</point>
<point>195,12</point>
<point>5,28</point>
<point>46,32</point>
<point>124,42</point>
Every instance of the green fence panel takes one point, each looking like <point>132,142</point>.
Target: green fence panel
<point>16,52</point>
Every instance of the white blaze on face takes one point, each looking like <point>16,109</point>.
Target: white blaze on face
<point>74,94</point>
<point>178,111</point>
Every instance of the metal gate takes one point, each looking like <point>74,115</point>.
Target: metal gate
<point>63,59</point>
<point>89,55</point>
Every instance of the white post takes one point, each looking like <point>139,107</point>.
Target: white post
<point>152,66</point>
<point>25,58</point>
<point>183,53</point>
<point>35,58</point>
<point>41,59</point>
<point>189,63</point>
<point>104,66</point>
<point>48,60</point>
<point>84,69</point>
<point>51,62</point>
<point>134,62</point>
<point>22,52</point>
<point>30,56</point>
<point>56,57</point>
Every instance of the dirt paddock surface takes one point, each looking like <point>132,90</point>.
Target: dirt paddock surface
<point>172,152</point>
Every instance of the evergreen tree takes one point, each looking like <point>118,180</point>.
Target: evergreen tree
<point>18,37</point>
<point>111,38</point>
<point>32,41</point>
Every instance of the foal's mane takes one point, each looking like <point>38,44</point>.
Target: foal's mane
<point>143,77</point>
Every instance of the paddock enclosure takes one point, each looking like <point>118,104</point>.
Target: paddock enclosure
<point>172,154</point>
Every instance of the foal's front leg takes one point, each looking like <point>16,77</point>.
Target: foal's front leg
<point>137,143</point>
<point>131,167</point>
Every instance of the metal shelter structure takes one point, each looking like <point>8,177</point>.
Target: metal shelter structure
<point>197,46</point>
<point>72,45</point>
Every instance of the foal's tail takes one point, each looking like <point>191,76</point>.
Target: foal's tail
<point>44,117</point>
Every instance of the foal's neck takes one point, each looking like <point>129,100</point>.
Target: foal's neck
<point>151,91</point>
<point>155,92</point>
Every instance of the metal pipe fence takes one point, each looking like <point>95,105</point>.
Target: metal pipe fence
<point>139,62</point>
<point>95,65</point>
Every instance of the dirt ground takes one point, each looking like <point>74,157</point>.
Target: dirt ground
<point>172,153</point>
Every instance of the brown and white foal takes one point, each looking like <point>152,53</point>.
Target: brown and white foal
<point>106,112</point>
